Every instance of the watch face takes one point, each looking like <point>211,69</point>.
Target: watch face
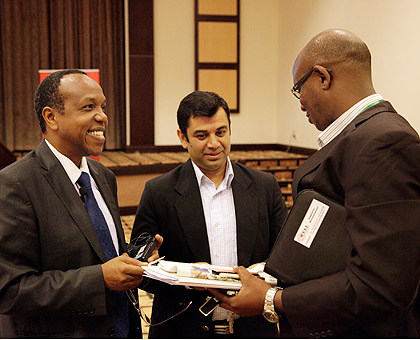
<point>271,316</point>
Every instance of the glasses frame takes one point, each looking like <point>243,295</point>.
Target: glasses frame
<point>298,85</point>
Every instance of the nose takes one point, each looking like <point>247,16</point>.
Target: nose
<point>213,141</point>
<point>101,116</point>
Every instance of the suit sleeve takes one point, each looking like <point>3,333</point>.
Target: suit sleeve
<point>25,287</point>
<point>381,186</point>
<point>149,219</point>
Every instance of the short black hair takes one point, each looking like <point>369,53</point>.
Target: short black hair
<point>199,103</point>
<point>47,94</point>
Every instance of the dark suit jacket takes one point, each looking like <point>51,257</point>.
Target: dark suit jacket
<point>373,168</point>
<point>51,282</point>
<point>171,206</point>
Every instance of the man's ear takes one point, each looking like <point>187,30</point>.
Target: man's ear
<point>182,139</point>
<point>50,117</point>
<point>324,76</point>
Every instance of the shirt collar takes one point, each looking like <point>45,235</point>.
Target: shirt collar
<point>227,180</point>
<point>69,167</point>
<point>334,129</point>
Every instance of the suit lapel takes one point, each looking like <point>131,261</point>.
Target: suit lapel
<point>109,199</point>
<point>246,211</point>
<point>315,160</point>
<point>191,214</point>
<point>308,166</point>
<point>64,189</point>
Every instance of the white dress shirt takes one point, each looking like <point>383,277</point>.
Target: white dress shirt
<point>334,129</point>
<point>219,213</point>
<point>74,173</point>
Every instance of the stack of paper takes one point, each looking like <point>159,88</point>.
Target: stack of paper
<point>191,274</point>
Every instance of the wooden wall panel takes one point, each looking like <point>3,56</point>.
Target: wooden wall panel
<point>217,41</point>
<point>141,66</point>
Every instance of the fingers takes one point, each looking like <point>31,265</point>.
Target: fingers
<point>155,254</point>
<point>243,273</point>
<point>218,294</point>
<point>222,297</point>
<point>122,273</point>
<point>159,239</point>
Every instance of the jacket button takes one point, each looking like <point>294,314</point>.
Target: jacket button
<point>317,335</point>
<point>311,335</point>
<point>111,332</point>
<point>330,332</point>
<point>206,328</point>
<point>323,334</point>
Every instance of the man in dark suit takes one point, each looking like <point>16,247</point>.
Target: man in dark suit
<point>57,278</point>
<point>369,161</point>
<point>208,210</point>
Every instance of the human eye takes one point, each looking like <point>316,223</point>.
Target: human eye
<point>200,136</point>
<point>221,133</point>
<point>88,107</point>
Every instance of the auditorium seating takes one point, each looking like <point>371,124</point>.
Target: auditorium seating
<point>134,169</point>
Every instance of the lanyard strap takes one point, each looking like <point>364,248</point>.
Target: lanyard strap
<point>369,106</point>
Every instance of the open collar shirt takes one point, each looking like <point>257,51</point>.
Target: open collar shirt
<point>219,212</point>
<point>74,173</point>
<point>335,128</point>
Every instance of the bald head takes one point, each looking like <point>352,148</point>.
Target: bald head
<point>337,47</point>
<point>339,63</point>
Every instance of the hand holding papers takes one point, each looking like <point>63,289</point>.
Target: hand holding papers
<point>196,275</point>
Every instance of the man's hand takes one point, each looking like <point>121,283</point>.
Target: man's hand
<point>250,299</point>
<point>123,273</point>
<point>155,254</point>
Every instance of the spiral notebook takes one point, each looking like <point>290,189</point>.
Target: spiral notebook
<point>313,241</point>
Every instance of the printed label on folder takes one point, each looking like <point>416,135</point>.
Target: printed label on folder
<point>311,223</point>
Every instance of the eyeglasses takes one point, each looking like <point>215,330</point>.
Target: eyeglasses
<point>143,315</point>
<point>298,86</point>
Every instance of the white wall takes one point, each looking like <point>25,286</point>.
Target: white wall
<point>174,69</point>
<point>174,63</point>
<point>390,28</point>
<point>272,33</point>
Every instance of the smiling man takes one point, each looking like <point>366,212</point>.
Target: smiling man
<point>61,270</point>
<point>208,210</point>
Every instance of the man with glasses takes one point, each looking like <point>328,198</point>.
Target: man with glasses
<point>368,160</point>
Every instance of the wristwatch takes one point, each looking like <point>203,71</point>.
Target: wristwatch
<point>269,312</point>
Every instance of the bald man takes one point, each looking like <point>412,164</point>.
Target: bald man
<point>368,160</point>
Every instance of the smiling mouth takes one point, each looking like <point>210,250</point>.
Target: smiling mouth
<point>96,133</point>
<point>213,155</point>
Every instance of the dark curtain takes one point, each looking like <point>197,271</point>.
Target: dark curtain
<point>58,34</point>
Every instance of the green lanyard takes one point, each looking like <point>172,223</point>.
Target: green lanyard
<point>369,106</point>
